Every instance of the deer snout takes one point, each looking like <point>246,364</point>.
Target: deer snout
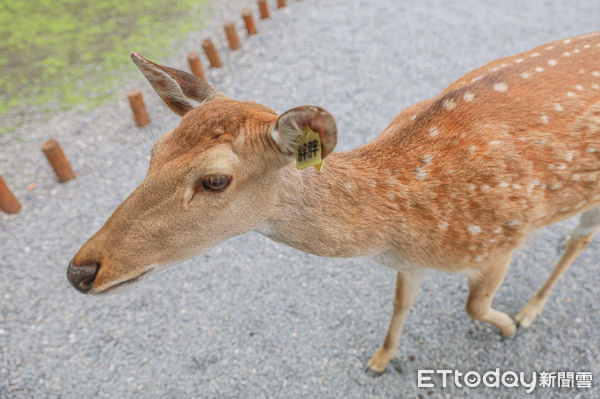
<point>82,277</point>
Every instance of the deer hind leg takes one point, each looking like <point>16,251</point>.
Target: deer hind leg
<point>588,225</point>
<point>482,288</point>
<point>407,287</point>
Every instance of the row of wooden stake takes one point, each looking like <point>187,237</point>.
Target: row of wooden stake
<point>140,114</point>
<point>53,151</point>
<point>55,155</point>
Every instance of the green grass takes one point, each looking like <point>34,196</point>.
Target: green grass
<point>72,52</point>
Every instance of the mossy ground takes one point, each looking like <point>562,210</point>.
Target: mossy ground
<point>74,52</point>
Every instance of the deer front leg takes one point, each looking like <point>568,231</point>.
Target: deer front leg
<point>482,288</point>
<point>407,287</point>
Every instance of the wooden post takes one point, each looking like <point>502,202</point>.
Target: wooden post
<point>196,65</point>
<point>263,8</point>
<point>58,161</point>
<point>8,202</point>
<point>211,53</point>
<point>140,115</point>
<point>280,3</point>
<point>249,22</point>
<point>232,36</point>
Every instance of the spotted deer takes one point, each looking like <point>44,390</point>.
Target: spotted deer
<point>454,183</point>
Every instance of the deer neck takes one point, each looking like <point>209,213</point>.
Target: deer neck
<point>333,212</point>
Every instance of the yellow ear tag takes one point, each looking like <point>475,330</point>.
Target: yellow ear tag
<point>309,150</point>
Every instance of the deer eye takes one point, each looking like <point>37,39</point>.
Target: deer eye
<point>214,183</point>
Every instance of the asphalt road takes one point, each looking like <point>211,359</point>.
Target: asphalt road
<point>252,318</point>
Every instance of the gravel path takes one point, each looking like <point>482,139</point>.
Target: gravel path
<point>252,318</point>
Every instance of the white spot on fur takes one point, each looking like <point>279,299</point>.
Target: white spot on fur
<point>570,94</point>
<point>534,55</point>
<point>503,184</point>
<point>501,87</point>
<point>566,54</point>
<point>420,173</point>
<point>581,71</point>
<point>474,229</point>
<point>596,73</point>
<point>552,62</point>
<point>495,142</point>
<point>558,166</point>
<point>476,78</point>
<point>427,158</point>
<point>567,41</point>
<point>468,96</point>
<point>569,156</point>
<point>555,186</point>
<point>579,87</point>
<point>449,104</point>
<point>595,86</point>
<point>544,118</point>
<point>372,183</point>
<point>586,46</point>
<point>576,50</point>
<point>558,107</point>
<point>590,150</point>
<point>412,118</point>
<point>472,187</point>
<point>485,187</point>
<point>525,75</point>
<point>519,60</point>
<point>433,131</point>
<point>514,223</point>
<point>498,230</point>
<point>516,186</point>
<point>549,47</point>
<point>349,186</point>
<point>478,258</point>
<point>472,149</point>
<point>539,69</point>
<point>443,226</point>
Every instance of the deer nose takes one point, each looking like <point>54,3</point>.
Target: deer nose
<point>82,277</point>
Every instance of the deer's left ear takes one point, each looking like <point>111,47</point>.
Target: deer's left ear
<point>180,90</point>
<point>291,125</point>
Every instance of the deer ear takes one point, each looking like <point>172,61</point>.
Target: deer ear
<point>180,90</point>
<point>290,127</point>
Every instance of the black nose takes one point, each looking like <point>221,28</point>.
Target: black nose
<point>82,277</point>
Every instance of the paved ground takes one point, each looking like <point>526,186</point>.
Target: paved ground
<point>252,318</point>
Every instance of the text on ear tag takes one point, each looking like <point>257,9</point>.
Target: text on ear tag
<point>309,150</point>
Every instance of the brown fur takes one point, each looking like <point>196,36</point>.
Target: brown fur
<point>454,183</point>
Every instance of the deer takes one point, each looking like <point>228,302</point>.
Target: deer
<point>455,183</point>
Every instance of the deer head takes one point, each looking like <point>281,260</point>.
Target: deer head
<point>213,177</point>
